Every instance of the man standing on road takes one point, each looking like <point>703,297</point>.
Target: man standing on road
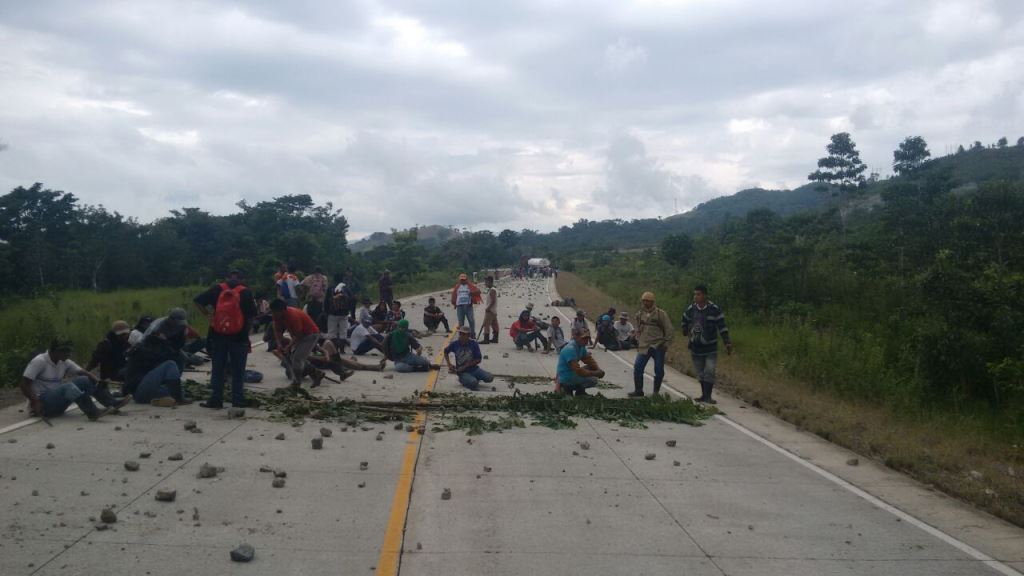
<point>304,337</point>
<point>338,314</point>
<point>354,288</point>
<point>491,312</point>
<point>316,293</point>
<point>467,360</point>
<point>386,287</point>
<point>49,395</point>
<point>464,295</point>
<point>703,321</point>
<point>230,308</point>
<point>653,334</point>
<point>577,370</point>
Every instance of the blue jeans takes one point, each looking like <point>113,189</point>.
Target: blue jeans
<point>474,376</point>
<point>464,312</point>
<point>524,338</point>
<point>704,366</point>
<point>152,384</point>
<point>227,354</point>
<point>412,363</point>
<point>576,382</point>
<point>78,391</point>
<point>640,364</point>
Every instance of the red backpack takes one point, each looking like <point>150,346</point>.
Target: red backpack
<point>228,318</point>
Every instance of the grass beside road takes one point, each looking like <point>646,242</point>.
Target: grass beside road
<point>967,456</point>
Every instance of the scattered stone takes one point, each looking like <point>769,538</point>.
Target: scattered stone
<point>196,430</point>
<point>487,468</point>
<point>244,553</point>
<point>318,443</point>
<point>266,468</point>
<point>235,413</point>
<point>278,483</point>
<point>190,424</point>
<point>504,355</point>
<point>207,471</point>
<point>279,436</point>
<point>419,546</point>
<point>486,357</point>
<point>144,455</point>
<point>84,493</point>
<point>366,428</point>
<point>398,426</point>
<point>670,443</point>
<point>352,421</point>
<point>650,456</point>
<point>584,445</point>
<point>50,446</point>
<point>975,475</point>
<point>248,437</point>
<point>389,376</point>
<point>12,440</point>
<point>676,463</point>
<point>35,492</point>
<point>326,432</point>
<point>853,462</point>
<point>361,484</point>
<point>166,495</point>
<point>410,428</point>
<point>108,516</point>
<point>344,428</point>
<point>380,436</point>
<point>176,456</point>
<point>447,494</point>
<point>195,514</point>
<point>117,428</point>
<point>364,465</point>
<point>280,473</point>
<point>131,466</point>
<point>101,527</point>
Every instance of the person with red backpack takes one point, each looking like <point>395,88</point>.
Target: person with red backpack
<point>230,308</point>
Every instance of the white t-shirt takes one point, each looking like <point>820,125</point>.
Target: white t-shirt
<point>462,296</point>
<point>135,337</point>
<point>359,334</point>
<point>624,330</point>
<point>45,375</point>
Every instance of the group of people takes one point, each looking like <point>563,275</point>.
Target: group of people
<point>310,324</point>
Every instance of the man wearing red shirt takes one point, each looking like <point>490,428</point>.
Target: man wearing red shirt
<point>304,336</point>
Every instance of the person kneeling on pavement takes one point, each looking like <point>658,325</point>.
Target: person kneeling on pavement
<point>467,360</point>
<point>152,374</point>
<point>524,331</point>
<point>577,369</point>
<point>48,392</point>
<point>402,348</point>
<point>433,317</point>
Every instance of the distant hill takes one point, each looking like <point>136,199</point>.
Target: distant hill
<point>709,214</point>
<point>429,236</point>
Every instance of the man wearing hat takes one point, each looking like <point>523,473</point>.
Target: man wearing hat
<point>464,295</point>
<point>52,382</point>
<point>467,360</point>
<point>653,335</point>
<point>109,354</point>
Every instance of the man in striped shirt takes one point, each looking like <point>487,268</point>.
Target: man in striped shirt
<point>703,322</point>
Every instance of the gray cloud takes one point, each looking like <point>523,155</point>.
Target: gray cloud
<point>524,114</point>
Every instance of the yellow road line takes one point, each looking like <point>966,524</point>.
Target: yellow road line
<point>391,551</point>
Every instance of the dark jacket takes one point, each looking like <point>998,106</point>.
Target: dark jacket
<point>149,354</point>
<point>702,328</point>
<point>109,355</point>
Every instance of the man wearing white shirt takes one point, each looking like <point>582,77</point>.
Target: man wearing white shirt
<point>49,392</point>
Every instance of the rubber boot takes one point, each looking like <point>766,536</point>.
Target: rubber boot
<point>177,391</point>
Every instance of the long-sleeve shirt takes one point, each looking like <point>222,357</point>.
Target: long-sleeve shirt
<point>702,327</point>
<point>653,329</point>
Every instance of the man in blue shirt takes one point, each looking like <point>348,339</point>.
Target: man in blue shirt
<point>577,369</point>
<point>467,360</point>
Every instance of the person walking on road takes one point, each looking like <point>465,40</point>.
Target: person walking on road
<point>653,335</point>
<point>491,313</point>
<point>703,322</point>
<point>464,295</point>
<point>577,370</point>
<point>230,308</point>
<point>467,360</point>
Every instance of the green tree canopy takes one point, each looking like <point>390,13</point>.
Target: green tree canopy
<point>912,152</point>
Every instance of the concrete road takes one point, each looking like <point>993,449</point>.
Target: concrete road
<point>743,494</point>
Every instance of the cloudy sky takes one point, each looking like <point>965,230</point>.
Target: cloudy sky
<point>486,114</point>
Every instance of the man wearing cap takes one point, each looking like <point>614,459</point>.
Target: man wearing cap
<point>464,295</point>
<point>703,322</point>
<point>467,360</point>
<point>49,392</point>
<point>625,333</point>
<point>109,354</point>
<point>577,370</point>
<point>653,335</point>
<point>490,313</point>
<point>174,330</point>
<point>228,344</point>
<point>305,335</point>
<point>402,348</point>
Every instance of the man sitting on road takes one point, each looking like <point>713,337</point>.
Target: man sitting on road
<point>48,392</point>
<point>577,369</point>
<point>433,316</point>
<point>365,338</point>
<point>394,315</point>
<point>402,348</point>
<point>524,331</point>
<point>556,336</point>
<point>606,334</point>
<point>304,337</point>
<point>109,355</point>
<point>467,360</point>
<point>624,332</point>
<point>579,324</point>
